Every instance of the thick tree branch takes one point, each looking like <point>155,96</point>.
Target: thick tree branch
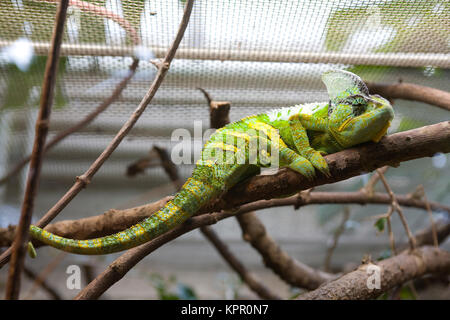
<point>414,92</point>
<point>394,271</point>
<point>21,238</point>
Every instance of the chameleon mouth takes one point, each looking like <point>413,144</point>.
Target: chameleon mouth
<point>380,134</point>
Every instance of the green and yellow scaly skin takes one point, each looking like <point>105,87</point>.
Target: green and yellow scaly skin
<point>298,136</point>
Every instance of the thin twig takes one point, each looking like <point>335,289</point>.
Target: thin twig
<point>370,185</point>
<point>433,224</point>
<point>44,285</point>
<point>399,210</point>
<point>337,234</point>
<point>256,286</point>
<point>39,280</point>
<point>102,11</point>
<point>21,238</point>
<point>390,232</point>
<point>83,180</point>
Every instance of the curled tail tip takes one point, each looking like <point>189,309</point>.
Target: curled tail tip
<point>31,250</point>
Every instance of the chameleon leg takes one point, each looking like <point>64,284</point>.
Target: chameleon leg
<point>301,142</point>
<point>297,163</point>
<point>287,157</point>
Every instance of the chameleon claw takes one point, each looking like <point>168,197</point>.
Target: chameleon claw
<point>319,163</point>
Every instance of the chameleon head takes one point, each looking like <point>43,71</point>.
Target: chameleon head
<point>354,115</point>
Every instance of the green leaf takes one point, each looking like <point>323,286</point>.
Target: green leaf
<point>185,292</point>
<point>408,123</point>
<point>407,294</point>
<point>380,224</point>
<point>384,255</point>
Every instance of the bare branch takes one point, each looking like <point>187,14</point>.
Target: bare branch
<point>337,234</point>
<point>394,271</point>
<point>414,92</point>
<point>42,121</point>
<point>396,207</point>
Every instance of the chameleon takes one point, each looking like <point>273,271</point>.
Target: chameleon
<point>295,137</point>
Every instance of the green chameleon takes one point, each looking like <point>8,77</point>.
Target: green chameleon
<point>296,137</point>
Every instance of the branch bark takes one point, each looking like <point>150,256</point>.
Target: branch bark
<point>42,121</point>
<point>413,92</point>
<point>395,271</point>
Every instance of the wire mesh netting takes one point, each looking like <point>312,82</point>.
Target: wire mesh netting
<point>258,55</point>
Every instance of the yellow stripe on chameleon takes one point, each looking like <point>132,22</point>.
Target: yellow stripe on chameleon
<point>342,127</point>
<point>141,230</point>
<point>223,146</point>
<point>82,244</point>
<point>269,132</point>
<point>207,163</point>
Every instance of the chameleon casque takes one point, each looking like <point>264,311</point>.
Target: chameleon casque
<point>299,135</point>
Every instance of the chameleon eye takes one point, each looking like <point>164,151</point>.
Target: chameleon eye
<point>359,109</point>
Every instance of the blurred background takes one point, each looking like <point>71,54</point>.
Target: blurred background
<point>258,55</point>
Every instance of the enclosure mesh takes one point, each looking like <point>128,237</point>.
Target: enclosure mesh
<point>257,54</point>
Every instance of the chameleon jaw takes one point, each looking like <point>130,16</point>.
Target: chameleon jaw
<point>382,132</point>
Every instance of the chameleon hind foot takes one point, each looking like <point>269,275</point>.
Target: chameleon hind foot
<point>303,166</point>
<point>319,163</point>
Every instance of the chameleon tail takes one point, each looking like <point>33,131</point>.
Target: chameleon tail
<point>196,192</point>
